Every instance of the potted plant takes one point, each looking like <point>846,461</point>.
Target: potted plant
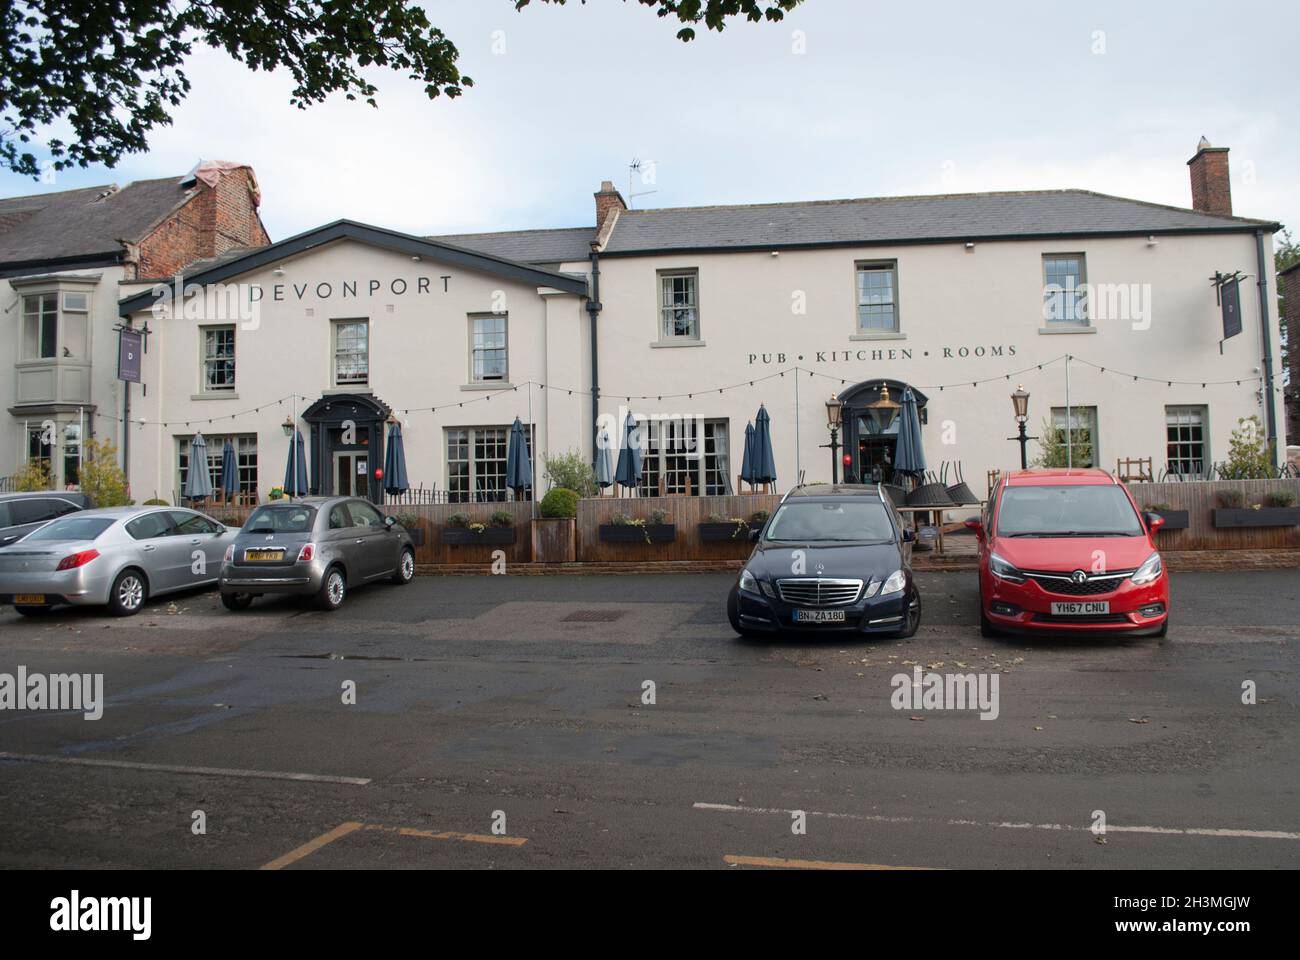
<point>1277,509</point>
<point>411,522</point>
<point>718,528</point>
<point>1174,519</point>
<point>555,529</point>
<point>625,529</point>
<point>499,529</point>
<point>276,493</point>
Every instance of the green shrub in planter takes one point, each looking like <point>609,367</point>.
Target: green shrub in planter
<point>1231,499</point>
<point>559,503</point>
<point>155,502</point>
<point>1156,507</point>
<point>658,517</point>
<point>408,520</point>
<point>759,517</point>
<point>458,520</point>
<point>1280,499</point>
<point>501,518</point>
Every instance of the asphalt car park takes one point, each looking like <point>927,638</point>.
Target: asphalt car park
<point>506,722</point>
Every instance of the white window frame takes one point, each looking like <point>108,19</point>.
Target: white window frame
<point>475,348</point>
<point>863,267</point>
<point>668,308</point>
<point>1077,304</point>
<point>1090,424</point>
<point>336,326</point>
<point>472,438</point>
<point>1202,414</point>
<point>699,451</point>
<point>206,358</point>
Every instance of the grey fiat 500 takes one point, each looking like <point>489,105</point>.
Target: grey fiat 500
<point>317,546</point>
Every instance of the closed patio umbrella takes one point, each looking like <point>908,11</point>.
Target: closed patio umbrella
<point>604,461</point>
<point>229,471</point>
<point>628,471</point>
<point>395,481</point>
<point>519,471</point>
<point>909,458</point>
<point>764,461</point>
<point>198,480</point>
<point>747,460</point>
<point>295,470</point>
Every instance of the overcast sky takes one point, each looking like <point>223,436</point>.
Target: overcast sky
<point>845,98</point>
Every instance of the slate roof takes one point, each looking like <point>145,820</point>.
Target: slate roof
<point>528,246</point>
<point>884,220</point>
<point>83,223</point>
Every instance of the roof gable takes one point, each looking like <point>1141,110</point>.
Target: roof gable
<point>237,263</point>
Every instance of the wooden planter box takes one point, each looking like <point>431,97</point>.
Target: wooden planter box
<point>722,532</point>
<point>555,540</point>
<point>1263,517</point>
<point>1174,519</point>
<point>459,536</point>
<point>417,535</point>
<point>629,533</point>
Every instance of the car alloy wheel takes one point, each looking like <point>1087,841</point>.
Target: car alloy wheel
<point>334,590</point>
<point>405,572</point>
<point>128,594</point>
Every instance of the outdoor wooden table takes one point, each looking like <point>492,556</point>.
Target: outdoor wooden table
<point>940,525</point>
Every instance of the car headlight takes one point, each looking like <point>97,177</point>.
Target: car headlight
<point>748,582</point>
<point>894,583</point>
<point>1003,570</point>
<point>1150,570</point>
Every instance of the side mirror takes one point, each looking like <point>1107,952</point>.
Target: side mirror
<point>389,521</point>
<point>976,525</point>
<point>909,535</point>
<point>1154,521</point>
<point>755,534</point>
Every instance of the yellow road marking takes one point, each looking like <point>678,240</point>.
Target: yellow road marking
<point>809,864</point>
<point>343,829</point>
<point>450,835</point>
<point>311,846</point>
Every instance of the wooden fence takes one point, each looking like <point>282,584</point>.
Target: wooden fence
<point>1199,498</point>
<point>687,513</point>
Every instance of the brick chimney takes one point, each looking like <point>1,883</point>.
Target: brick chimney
<point>1211,192</point>
<point>220,214</point>
<point>609,203</point>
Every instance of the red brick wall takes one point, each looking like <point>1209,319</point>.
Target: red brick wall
<point>214,220</point>
<point>1211,191</point>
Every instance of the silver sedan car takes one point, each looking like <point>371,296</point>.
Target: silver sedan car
<point>116,557</point>
<point>317,546</point>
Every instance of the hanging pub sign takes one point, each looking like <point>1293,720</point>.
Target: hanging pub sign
<point>130,345</point>
<point>1227,290</point>
<point>1231,299</point>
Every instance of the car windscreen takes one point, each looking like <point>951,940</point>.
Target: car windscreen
<point>1067,511</point>
<point>276,519</point>
<point>71,528</point>
<point>831,520</point>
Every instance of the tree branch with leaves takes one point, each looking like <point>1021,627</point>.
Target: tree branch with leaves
<point>113,70</point>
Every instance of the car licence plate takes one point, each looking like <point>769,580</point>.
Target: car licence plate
<point>1079,608</point>
<point>26,598</point>
<point>819,616</point>
<point>253,555</point>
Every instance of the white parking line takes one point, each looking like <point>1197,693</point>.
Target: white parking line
<point>175,768</point>
<point>1006,825</point>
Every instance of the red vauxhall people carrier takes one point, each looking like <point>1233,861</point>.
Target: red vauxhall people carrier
<point>1069,550</point>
